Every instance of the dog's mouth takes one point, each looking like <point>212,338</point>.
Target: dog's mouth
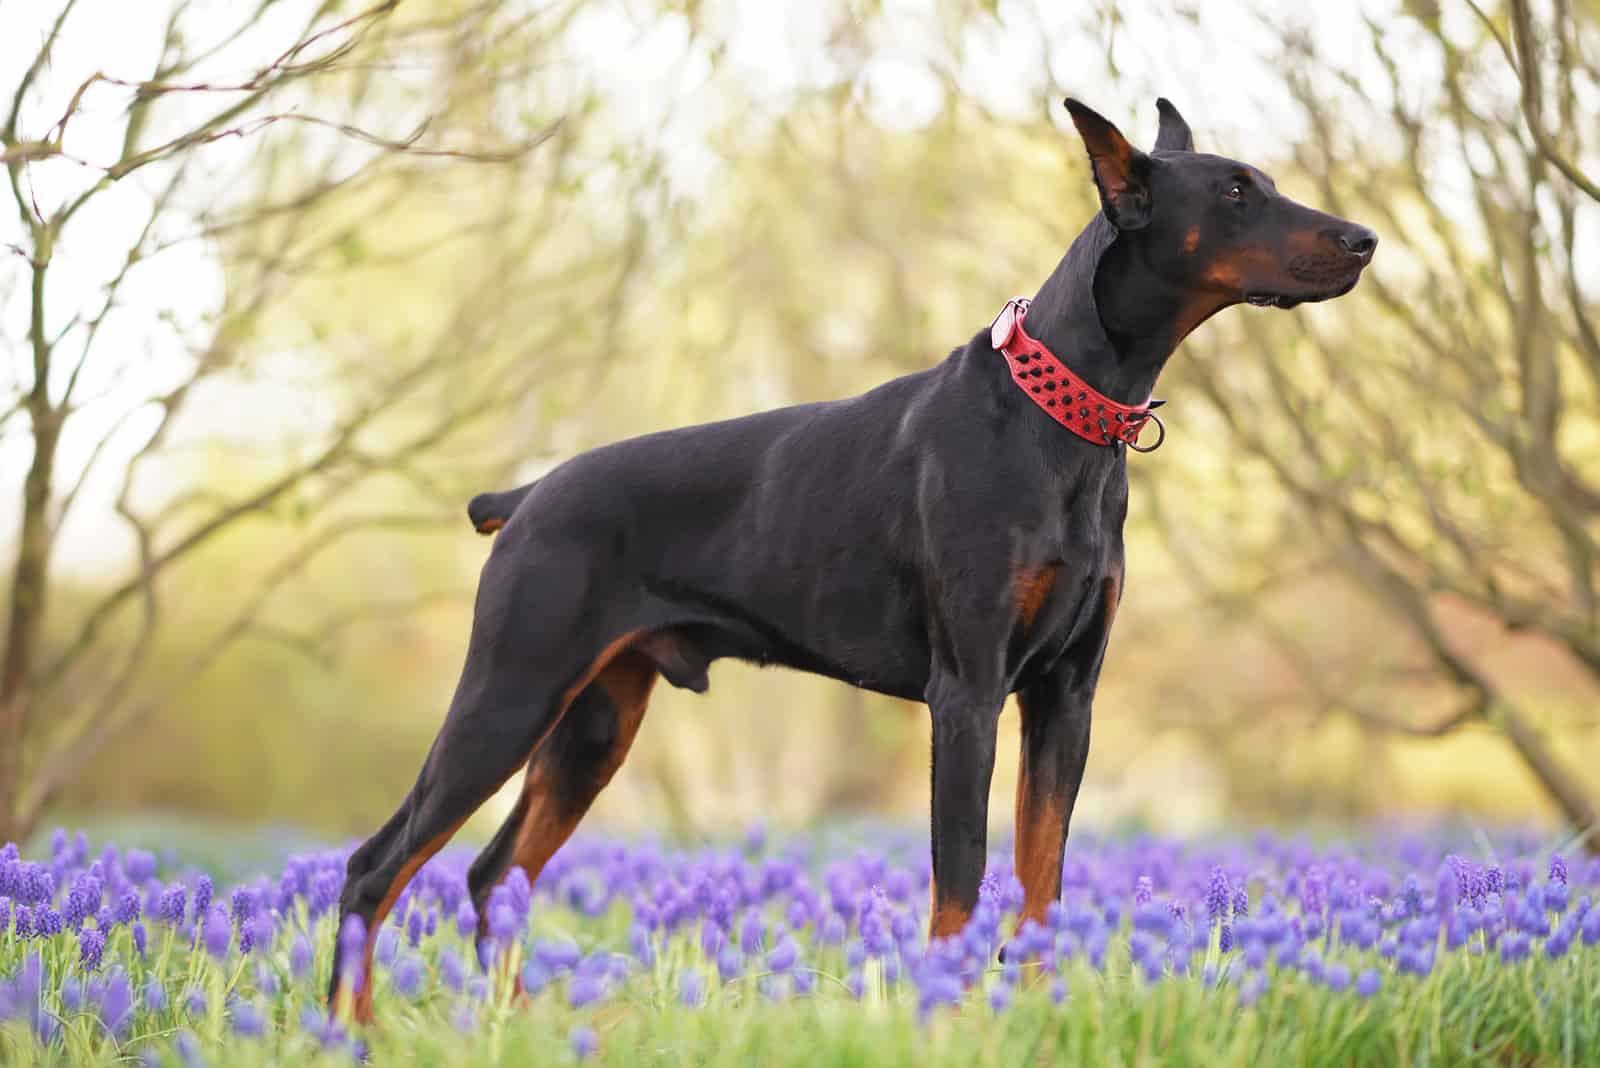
<point>1268,299</point>
<point>1271,300</point>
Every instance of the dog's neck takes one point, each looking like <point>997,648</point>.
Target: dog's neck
<point>1108,316</point>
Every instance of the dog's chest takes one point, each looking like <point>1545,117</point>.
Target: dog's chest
<point>1066,573</point>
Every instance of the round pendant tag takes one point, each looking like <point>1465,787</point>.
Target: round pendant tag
<point>1004,324</point>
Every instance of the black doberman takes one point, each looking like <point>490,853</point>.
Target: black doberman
<point>940,538</point>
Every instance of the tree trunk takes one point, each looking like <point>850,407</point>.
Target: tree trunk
<point>30,579</point>
<point>1568,794</point>
<point>28,592</point>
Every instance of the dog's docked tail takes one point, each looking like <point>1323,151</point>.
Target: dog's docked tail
<point>489,511</point>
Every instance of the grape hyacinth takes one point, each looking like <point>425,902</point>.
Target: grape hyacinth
<point>168,962</point>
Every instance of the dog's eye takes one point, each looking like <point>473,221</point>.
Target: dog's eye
<point>1235,192</point>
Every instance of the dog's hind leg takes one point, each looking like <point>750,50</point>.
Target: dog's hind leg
<point>566,774</point>
<point>514,688</point>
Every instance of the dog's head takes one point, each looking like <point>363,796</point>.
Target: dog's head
<point>1215,225</point>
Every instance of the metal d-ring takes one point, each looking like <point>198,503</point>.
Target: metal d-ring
<point>1136,447</point>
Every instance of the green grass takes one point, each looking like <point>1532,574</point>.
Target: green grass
<point>1471,1010</point>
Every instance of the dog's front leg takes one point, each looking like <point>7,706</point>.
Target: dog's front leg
<point>964,721</point>
<point>1055,748</point>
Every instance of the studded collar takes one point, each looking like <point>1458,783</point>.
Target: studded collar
<point>1064,396</point>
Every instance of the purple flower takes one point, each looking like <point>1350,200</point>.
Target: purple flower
<point>1558,869</point>
<point>414,928</point>
<point>1368,982</point>
<point>1143,890</point>
<point>246,1020</point>
<point>502,924</point>
<point>139,865</point>
<point>1514,947</point>
<point>585,990</point>
<point>189,1050</point>
<point>139,938</point>
<point>217,933</point>
<point>1218,895</point>
<point>1447,889</point>
<point>114,1002</point>
<point>1591,927</point>
<point>751,933</point>
<point>172,905</point>
<point>352,945</point>
<point>783,955</point>
<point>155,996</point>
<point>729,964</point>
<point>408,976</point>
<point>583,1041</point>
<point>641,946</point>
<point>557,957</point>
<point>242,905</point>
<point>127,907</point>
<point>999,997</point>
<point>91,946</point>
<point>384,948</point>
<point>451,970</point>
<point>194,1001</point>
<point>713,937</point>
<point>258,930</point>
<point>691,988</point>
<point>939,988</point>
<point>299,956</point>
<point>202,895</point>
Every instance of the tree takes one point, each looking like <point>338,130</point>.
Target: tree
<point>1437,454</point>
<point>273,181</point>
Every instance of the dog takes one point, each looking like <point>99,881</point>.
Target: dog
<point>952,536</point>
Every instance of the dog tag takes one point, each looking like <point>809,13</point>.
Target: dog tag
<point>1005,324</point>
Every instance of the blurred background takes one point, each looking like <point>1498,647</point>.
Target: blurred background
<point>283,284</point>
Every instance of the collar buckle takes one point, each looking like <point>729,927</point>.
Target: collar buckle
<point>1004,327</point>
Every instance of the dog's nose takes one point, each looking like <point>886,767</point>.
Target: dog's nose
<point>1359,241</point>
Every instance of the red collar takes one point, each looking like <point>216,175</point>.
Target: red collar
<point>1062,395</point>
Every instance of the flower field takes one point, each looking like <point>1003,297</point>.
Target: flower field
<point>1387,948</point>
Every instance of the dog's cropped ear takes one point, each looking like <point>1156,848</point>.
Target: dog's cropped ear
<point>1121,172</point>
<point>1175,135</point>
